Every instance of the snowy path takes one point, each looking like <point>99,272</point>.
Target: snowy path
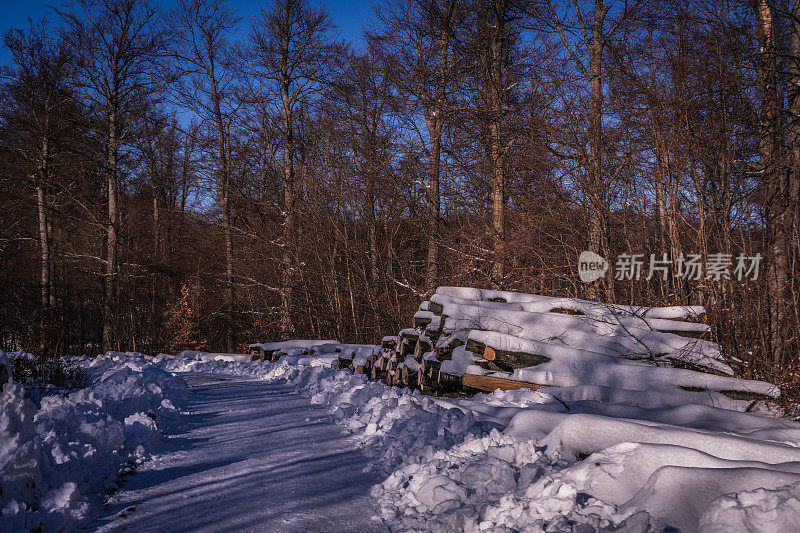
<point>252,456</point>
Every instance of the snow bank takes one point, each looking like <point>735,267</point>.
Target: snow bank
<point>754,510</point>
<point>57,460</point>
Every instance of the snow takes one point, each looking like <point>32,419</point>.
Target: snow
<point>535,302</point>
<point>251,456</point>
<point>609,444</point>
<point>206,356</point>
<point>754,510</point>
<point>520,460</point>
<point>56,459</point>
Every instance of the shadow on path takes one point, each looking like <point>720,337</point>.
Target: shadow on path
<point>249,456</point>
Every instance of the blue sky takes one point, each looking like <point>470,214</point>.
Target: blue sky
<point>347,14</point>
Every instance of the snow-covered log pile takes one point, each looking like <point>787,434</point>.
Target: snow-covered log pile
<point>272,351</point>
<point>467,340</point>
<point>601,417</point>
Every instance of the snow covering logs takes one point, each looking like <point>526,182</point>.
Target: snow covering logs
<point>467,340</point>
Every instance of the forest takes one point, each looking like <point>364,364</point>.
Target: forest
<point>180,178</point>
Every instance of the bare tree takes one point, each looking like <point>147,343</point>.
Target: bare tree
<point>202,52</point>
<point>115,43</point>
<point>37,105</point>
<point>292,54</point>
<point>585,40</point>
<point>418,42</point>
<point>497,68</point>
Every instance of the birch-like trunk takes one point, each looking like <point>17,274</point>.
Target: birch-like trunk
<point>110,339</point>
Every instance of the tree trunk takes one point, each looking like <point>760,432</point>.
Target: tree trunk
<point>225,201</point>
<point>434,209</point>
<point>599,230</point>
<point>435,123</point>
<point>373,231</point>
<point>496,92</point>
<point>110,293</point>
<point>498,197</point>
<point>44,286</point>
<point>776,210</point>
<point>793,137</point>
<point>288,213</point>
<point>156,223</point>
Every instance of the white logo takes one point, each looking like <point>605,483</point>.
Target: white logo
<point>591,266</point>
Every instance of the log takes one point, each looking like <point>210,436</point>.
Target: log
<point>420,349</point>
<point>506,359</point>
<point>492,383</point>
<point>410,378</point>
<point>428,378</point>
<point>388,344</point>
<point>565,311</point>
<point>421,322</point>
<point>361,369</point>
<point>435,308</point>
<point>702,335</point>
<point>256,353</point>
<point>733,394</point>
<point>449,382</point>
<point>475,346</point>
<point>686,365</point>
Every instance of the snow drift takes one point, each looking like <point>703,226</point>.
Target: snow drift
<point>57,460</point>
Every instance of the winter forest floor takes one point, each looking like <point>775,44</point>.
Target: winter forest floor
<point>250,455</point>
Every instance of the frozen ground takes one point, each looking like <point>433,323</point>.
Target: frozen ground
<point>250,456</point>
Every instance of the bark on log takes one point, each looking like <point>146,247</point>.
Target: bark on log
<point>389,344</point>
<point>449,382</point>
<point>475,346</point>
<point>704,335</point>
<point>513,360</point>
<point>420,349</point>
<point>733,394</point>
<point>421,323</point>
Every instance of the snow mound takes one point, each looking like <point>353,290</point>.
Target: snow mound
<point>754,510</point>
<point>55,461</point>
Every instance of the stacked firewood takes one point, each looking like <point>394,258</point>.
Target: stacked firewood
<point>466,340</point>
